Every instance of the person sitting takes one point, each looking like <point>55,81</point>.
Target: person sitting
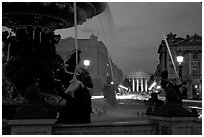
<point>168,85</point>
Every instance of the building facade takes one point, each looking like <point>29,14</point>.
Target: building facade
<point>96,52</point>
<point>190,70</point>
<point>139,81</point>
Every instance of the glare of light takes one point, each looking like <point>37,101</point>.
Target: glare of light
<point>112,82</point>
<point>121,86</point>
<point>97,97</point>
<point>158,87</point>
<point>86,63</point>
<point>179,59</point>
<point>153,84</point>
<point>196,86</point>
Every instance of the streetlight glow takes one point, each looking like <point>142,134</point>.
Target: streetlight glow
<point>180,59</point>
<point>86,63</point>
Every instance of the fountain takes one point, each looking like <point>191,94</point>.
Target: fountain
<point>41,17</point>
<point>40,20</point>
<point>33,24</point>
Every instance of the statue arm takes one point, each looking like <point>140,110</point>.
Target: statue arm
<point>85,78</point>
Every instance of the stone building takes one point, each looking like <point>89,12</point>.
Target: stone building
<point>139,80</point>
<point>191,67</point>
<point>96,52</point>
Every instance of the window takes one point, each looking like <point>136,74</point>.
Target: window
<point>195,71</point>
<point>195,56</point>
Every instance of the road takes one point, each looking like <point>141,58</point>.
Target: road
<point>127,110</point>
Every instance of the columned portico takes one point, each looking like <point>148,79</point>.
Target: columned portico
<point>139,81</point>
<point>137,84</point>
<point>133,85</point>
<point>142,87</point>
<point>145,85</point>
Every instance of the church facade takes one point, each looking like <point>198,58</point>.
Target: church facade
<point>139,81</point>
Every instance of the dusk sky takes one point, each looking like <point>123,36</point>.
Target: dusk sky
<point>132,31</point>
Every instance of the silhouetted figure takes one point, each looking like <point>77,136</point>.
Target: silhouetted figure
<point>109,90</point>
<point>32,108</point>
<point>32,56</point>
<point>170,86</point>
<point>172,107</point>
<point>17,68</point>
<point>157,102</point>
<point>153,102</point>
<point>78,107</point>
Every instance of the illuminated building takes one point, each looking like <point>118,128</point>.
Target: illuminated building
<point>190,69</point>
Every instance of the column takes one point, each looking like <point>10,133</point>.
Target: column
<point>145,84</point>
<point>189,63</point>
<point>142,84</point>
<point>137,85</point>
<point>189,89</point>
<point>133,84</point>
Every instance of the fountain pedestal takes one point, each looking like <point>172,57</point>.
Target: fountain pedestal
<point>174,125</point>
<point>173,119</point>
<point>31,126</point>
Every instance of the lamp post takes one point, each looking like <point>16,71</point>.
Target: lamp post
<point>180,61</point>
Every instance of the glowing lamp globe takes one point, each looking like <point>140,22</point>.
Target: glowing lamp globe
<point>179,59</point>
<point>86,63</point>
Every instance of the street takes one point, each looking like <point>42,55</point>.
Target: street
<point>128,109</point>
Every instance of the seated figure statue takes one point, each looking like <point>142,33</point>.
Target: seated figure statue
<point>32,108</point>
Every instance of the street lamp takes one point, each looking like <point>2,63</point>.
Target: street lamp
<point>180,61</point>
<point>86,63</point>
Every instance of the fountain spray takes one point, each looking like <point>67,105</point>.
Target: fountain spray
<point>108,17</point>
<point>164,37</point>
<point>75,31</point>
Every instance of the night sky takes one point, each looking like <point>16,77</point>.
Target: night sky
<point>132,31</point>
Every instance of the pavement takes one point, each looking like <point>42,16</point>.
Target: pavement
<point>129,108</point>
<point>124,111</point>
